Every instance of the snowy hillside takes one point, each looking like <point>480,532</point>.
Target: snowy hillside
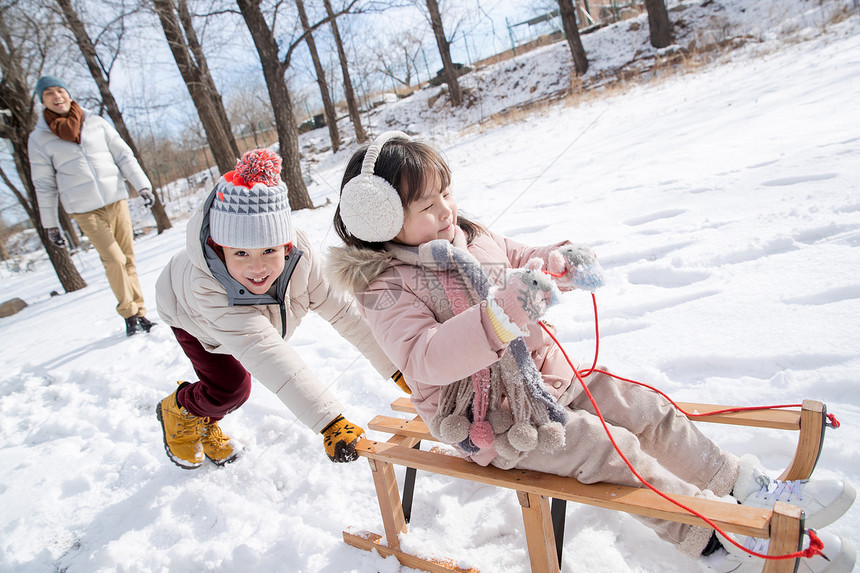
<point>724,204</point>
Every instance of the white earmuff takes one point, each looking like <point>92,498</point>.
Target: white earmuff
<point>370,207</point>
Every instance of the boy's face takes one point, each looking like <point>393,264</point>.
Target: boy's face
<point>255,269</point>
<point>57,100</point>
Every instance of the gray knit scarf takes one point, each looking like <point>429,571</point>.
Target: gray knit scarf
<point>504,406</point>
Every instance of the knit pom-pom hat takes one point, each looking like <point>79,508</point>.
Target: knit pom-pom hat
<point>251,209</point>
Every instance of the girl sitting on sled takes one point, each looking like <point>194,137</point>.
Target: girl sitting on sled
<point>457,308</point>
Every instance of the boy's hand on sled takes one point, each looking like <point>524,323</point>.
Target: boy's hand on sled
<point>339,439</point>
<point>524,296</point>
<point>401,382</point>
<point>575,266</point>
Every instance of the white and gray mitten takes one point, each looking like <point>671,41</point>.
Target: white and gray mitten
<point>577,266</point>
<point>525,295</point>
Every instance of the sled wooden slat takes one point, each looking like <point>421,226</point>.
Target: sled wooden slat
<point>415,428</point>
<point>371,541</point>
<point>641,501</point>
<point>809,421</point>
<point>783,526</point>
<point>780,419</point>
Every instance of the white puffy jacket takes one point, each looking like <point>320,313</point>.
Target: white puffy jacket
<point>84,177</point>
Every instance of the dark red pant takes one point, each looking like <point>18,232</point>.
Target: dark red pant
<point>224,383</point>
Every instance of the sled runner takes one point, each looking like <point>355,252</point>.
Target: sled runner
<point>544,527</point>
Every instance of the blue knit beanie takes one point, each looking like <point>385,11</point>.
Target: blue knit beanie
<point>46,82</point>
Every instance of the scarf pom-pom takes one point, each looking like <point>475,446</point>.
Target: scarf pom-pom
<point>433,426</point>
<point>482,434</point>
<point>550,437</point>
<point>523,436</point>
<point>501,420</point>
<point>504,449</point>
<point>454,429</point>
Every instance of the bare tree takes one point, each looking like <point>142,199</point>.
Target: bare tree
<point>251,110</point>
<point>448,71</point>
<point>349,94</point>
<point>66,224</point>
<point>282,105</point>
<point>5,233</point>
<point>191,61</point>
<point>571,32</point>
<point>328,106</point>
<point>398,56</point>
<point>101,75</point>
<point>274,68</point>
<point>659,26</point>
<point>16,98</point>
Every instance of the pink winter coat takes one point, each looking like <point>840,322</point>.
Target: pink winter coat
<point>429,353</point>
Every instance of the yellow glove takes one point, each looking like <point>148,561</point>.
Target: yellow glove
<point>401,383</point>
<point>339,439</point>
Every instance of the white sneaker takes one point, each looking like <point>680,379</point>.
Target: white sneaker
<point>729,559</point>
<point>823,501</point>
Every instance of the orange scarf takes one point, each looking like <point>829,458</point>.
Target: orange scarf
<point>69,127</point>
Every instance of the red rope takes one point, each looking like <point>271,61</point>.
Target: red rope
<point>815,544</point>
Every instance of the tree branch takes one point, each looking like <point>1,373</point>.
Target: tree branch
<point>18,195</point>
<point>298,41</point>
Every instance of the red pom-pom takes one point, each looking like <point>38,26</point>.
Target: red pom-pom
<point>481,434</point>
<point>260,166</point>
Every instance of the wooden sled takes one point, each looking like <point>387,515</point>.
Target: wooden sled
<point>544,526</point>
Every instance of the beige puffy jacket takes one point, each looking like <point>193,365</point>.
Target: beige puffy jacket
<point>189,297</point>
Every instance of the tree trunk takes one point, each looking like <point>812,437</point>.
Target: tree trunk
<point>60,258</point>
<point>448,71</point>
<point>349,94</point>
<point>659,26</point>
<point>328,106</point>
<point>282,105</point>
<point>17,98</point>
<point>217,131</point>
<point>211,88</point>
<point>71,233</point>
<point>571,32</point>
<point>162,221</point>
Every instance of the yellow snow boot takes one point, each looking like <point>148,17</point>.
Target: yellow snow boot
<point>183,433</point>
<point>217,446</point>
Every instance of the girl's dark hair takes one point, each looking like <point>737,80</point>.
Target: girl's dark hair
<point>406,165</point>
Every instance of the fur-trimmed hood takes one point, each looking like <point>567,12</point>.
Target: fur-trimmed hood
<point>351,269</point>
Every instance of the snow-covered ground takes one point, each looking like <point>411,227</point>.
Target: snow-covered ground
<point>725,206</point>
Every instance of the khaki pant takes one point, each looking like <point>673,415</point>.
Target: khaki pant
<point>661,443</point>
<point>110,232</point>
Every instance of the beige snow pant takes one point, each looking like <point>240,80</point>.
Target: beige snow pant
<point>661,443</point>
<point>110,231</point>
